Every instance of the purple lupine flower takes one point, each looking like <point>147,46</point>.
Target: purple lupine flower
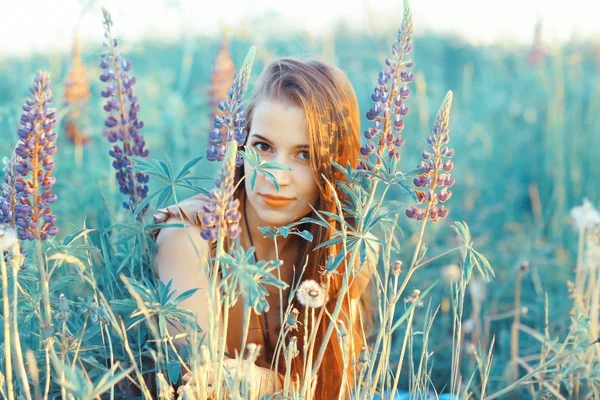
<point>222,214</point>
<point>122,122</point>
<point>231,125</point>
<point>8,194</point>
<point>390,97</point>
<point>436,165</point>
<point>33,187</point>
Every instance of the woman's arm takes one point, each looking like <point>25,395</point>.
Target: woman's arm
<point>177,260</point>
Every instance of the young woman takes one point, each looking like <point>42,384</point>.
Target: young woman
<point>303,114</point>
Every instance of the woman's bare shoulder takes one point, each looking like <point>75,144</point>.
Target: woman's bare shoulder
<point>176,245</point>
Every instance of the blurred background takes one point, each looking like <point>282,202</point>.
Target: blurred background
<point>525,121</point>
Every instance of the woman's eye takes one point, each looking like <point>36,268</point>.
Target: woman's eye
<point>261,146</point>
<point>304,154</point>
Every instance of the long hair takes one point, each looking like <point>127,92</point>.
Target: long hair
<point>330,108</point>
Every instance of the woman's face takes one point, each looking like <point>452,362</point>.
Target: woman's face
<point>278,133</point>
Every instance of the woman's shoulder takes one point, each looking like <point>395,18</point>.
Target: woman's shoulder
<point>177,246</point>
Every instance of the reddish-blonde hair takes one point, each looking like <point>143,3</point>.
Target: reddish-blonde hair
<point>331,112</point>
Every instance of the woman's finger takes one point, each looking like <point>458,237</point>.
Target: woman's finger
<point>185,378</point>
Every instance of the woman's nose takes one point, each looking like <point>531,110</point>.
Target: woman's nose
<point>283,175</point>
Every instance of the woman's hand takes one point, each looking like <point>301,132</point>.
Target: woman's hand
<point>262,380</point>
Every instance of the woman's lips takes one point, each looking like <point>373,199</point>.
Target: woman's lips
<point>276,202</point>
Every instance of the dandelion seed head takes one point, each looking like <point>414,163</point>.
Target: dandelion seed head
<point>311,294</point>
<point>585,216</point>
<point>468,326</point>
<point>451,273</point>
<point>8,238</point>
<point>477,289</point>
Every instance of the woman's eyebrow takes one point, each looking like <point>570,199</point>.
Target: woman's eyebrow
<point>300,146</point>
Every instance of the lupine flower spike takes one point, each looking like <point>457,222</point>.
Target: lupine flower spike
<point>390,96</point>
<point>231,125</point>
<point>33,185</point>
<point>8,199</point>
<point>122,123</point>
<point>221,77</point>
<point>437,166</point>
<point>222,214</point>
<point>77,93</point>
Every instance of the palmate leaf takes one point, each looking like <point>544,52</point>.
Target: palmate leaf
<point>162,170</point>
<point>285,231</point>
<point>261,166</point>
<point>472,257</point>
<point>243,276</point>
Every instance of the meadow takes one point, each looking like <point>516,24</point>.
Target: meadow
<point>498,299</point>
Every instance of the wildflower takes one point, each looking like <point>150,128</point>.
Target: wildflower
<point>478,290</point>
<point>253,350</point>
<point>77,91</point>
<point>363,357</point>
<point>221,213</point>
<point>222,76</point>
<point>468,326</point>
<point>165,390</point>
<point>524,266</point>
<point>63,308</point>
<point>390,96</point>
<point>311,294</point>
<point>8,238</point>
<point>8,198</point>
<point>585,216</point>
<point>436,171</point>
<point>231,126</point>
<point>537,51</point>
<point>122,123</point>
<point>342,333</point>
<point>451,273</point>
<point>414,298</point>
<point>396,267</point>
<point>291,350</point>
<point>33,186</point>
<point>291,322</point>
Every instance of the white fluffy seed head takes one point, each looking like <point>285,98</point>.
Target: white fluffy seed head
<point>311,294</point>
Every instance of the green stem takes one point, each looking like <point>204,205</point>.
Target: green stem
<point>422,264</point>
<point>223,343</point>
<point>526,378</point>
<point>406,335</point>
<point>112,360</point>
<point>63,348</point>
<point>6,315</point>
<point>345,284</point>
<point>16,335</point>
